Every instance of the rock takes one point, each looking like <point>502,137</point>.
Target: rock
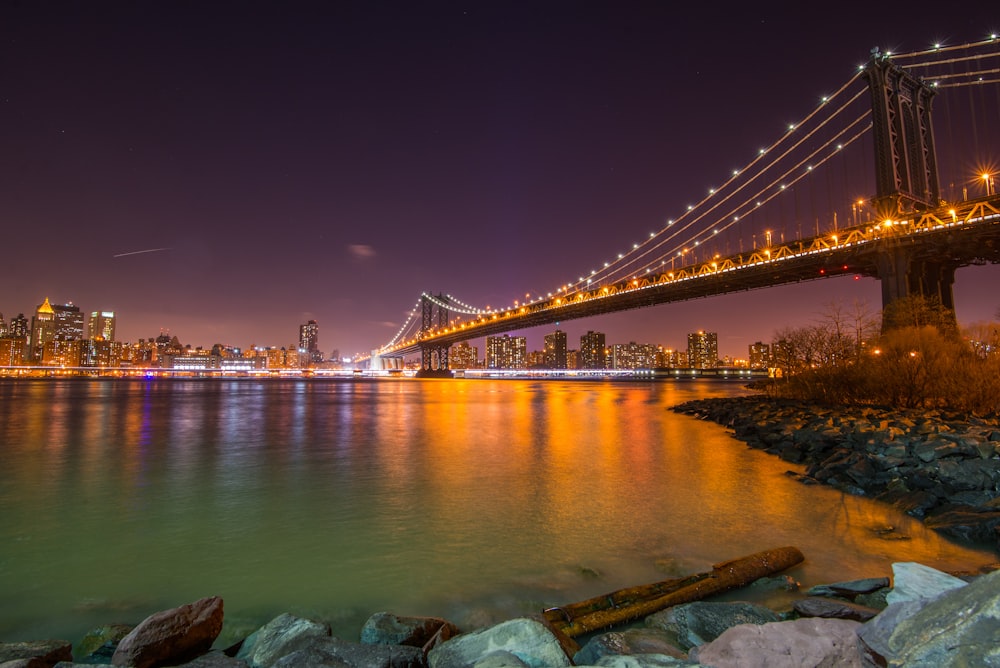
<point>171,636</point>
<point>215,659</point>
<point>49,651</point>
<point>528,639</point>
<point>967,523</point>
<point>336,653</point>
<point>959,628</point>
<point>913,582</point>
<point>640,661</point>
<point>849,589</point>
<point>100,643</point>
<point>385,628</point>
<point>693,624</point>
<point>873,636</point>
<point>793,644</point>
<point>828,608</point>
<point>630,641</point>
<point>278,637</point>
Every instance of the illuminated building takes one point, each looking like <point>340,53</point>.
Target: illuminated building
<point>463,356</point>
<point>592,351</point>
<point>760,355</point>
<point>703,350</point>
<point>12,351</point>
<point>555,350</point>
<point>3,326</point>
<point>309,341</point>
<point>633,355</point>
<point>101,353</point>
<point>43,330</point>
<point>19,327</point>
<point>69,322</point>
<point>59,352</point>
<point>506,352</point>
<point>675,359</point>
<point>101,325</point>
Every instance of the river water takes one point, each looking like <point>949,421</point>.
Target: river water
<point>475,500</point>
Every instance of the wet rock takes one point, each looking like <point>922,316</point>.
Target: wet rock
<point>693,624</point>
<point>628,642</point>
<point>385,628</point>
<point>48,651</point>
<point>335,653</point>
<point>171,636</point>
<point>99,645</point>
<point>528,639</point>
<point>277,638</point>
<point>849,589</point>
<point>828,608</point>
<point>915,582</point>
<point>792,644</point>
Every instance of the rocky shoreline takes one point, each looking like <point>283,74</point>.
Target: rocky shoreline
<point>940,467</point>
<point>924,618</point>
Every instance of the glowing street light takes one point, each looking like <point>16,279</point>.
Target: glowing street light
<point>990,184</point>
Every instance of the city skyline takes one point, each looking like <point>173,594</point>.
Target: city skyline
<point>226,174</point>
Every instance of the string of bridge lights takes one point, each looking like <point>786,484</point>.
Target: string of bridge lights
<point>613,270</point>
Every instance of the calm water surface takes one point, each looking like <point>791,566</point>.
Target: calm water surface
<point>475,500</point>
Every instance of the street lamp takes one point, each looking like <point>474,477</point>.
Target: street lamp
<point>991,188</point>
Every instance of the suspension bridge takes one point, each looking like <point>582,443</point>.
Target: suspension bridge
<point>754,232</point>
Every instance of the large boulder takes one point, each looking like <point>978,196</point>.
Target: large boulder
<point>959,628</point>
<point>171,636</point>
<point>527,639</point>
<point>282,635</point>
<point>693,624</point>
<point>803,642</point>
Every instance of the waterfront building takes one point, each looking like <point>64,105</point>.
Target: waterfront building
<point>703,350</point>
<point>760,355</point>
<point>19,327</point>
<point>3,326</point>
<point>536,359</point>
<point>593,354</point>
<point>555,350</point>
<point>102,353</point>
<point>674,359</point>
<point>633,355</point>
<point>463,356</point>
<point>43,330</point>
<point>69,322</point>
<point>61,353</point>
<point>506,352</point>
<point>573,359</point>
<point>12,350</point>
<point>101,325</point>
<point>309,341</point>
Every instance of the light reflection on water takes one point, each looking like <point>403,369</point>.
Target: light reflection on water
<point>475,500</point>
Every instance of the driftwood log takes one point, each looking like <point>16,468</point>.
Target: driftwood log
<point>626,605</point>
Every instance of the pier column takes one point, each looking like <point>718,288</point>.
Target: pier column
<point>902,275</point>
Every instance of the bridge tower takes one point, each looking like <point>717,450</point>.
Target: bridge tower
<point>433,357</point>
<point>906,178</point>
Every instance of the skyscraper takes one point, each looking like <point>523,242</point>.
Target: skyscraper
<point>703,350</point>
<point>69,322</point>
<point>760,355</point>
<point>592,351</point>
<point>309,341</point>
<point>555,350</point>
<point>101,326</point>
<point>43,330</point>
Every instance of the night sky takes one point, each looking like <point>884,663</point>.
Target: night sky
<point>293,161</point>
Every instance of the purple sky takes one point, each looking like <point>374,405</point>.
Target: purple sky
<point>330,161</point>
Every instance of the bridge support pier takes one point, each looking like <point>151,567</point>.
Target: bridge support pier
<point>903,275</point>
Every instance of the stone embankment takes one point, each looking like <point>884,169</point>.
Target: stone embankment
<point>925,618</point>
<point>942,468</point>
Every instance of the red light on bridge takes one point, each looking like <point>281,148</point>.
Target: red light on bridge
<point>856,277</point>
<point>822,271</point>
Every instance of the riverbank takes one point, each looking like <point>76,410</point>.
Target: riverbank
<point>940,467</point>
<point>925,617</point>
